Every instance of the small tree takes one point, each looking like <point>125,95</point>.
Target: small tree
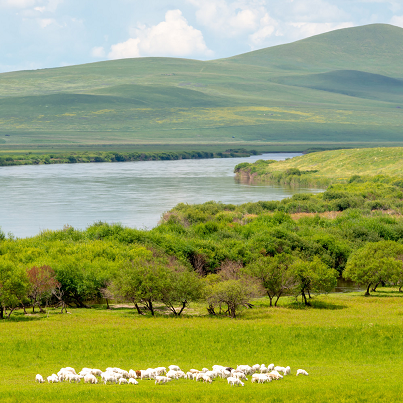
<point>183,287</point>
<point>312,277</point>
<point>376,262</point>
<point>13,287</point>
<point>42,283</point>
<point>141,281</point>
<point>274,273</point>
<point>230,287</point>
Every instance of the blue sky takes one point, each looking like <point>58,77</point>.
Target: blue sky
<point>51,33</point>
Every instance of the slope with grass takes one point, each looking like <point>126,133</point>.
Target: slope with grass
<point>333,165</point>
<point>342,88</point>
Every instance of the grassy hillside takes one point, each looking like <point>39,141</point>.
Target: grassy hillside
<point>342,88</point>
<point>334,165</point>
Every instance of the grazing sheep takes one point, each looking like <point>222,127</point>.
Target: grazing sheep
<point>162,379</point>
<point>74,378</point>
<point>132,374</point>
<point>205,370</point>
<point>122,380</point>
<point>160,371</point>
<point>234,381</point>
<point>270,367</point>
<point>174,368</point>
<point>264,369</point>
<point>275,375</point>
<point>246,369</point>
<point>138,373</point>
<point>207,379</point>
<point>96,372</point>
<point>147,374</point>
<point>287,370</point>
<point>53,378</point>
<point>180,374</point>
<point>225,374</point>
<point>108,377</point>
<point>89,378</point>
<point>172,374</point>
<point>229,369</point>
<point>239,375</point>
<point>39,378</point>
<point>190,375</point>
<point>194,371</point>
<point>212,374</point>
<point>132,381</point>
<point>256,367</point>
<point>199,376</point>
<point>301,372</point>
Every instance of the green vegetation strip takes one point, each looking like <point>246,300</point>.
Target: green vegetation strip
<point>85,157</point>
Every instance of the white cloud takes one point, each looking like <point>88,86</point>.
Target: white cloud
<point>172,37</point>
<point>397,20</point>
<point>45,22</point>
<point>98,52</point>
<point>306,29</point>
<point>230,18</point>
<point>18,3</point>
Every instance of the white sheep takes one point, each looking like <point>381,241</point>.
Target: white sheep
<point>275,375</point>
<point>122,380</point>
<point>204,370</point>
<point>260,378</point>
<point>174,368</point>
<point>96,372</point>
<point>212,374</point>
<point>132,381</point>
<point>89,378</point>
<point>172,374</point>
<point>234,381</point>
<point>206,379</point>
<point>162,379</point>
<point>246,369</point>
<point>180,374</point>
<point>199,376</point>
<point>239,375</point>
<point>132,374</point>
<point>160,371</point>
<point>301,372</point>
<point>190,375</point>
<point>108,377</point>
<point>270,367</point>
<point>225,374</point>
<point>39,378</point>
<point>287,370</point>
<point>52,378</point>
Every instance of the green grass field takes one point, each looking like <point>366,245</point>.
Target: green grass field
<point>350,345</point>
<point>342,88</point>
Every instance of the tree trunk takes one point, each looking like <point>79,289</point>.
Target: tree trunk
<point>304,298</point>
<point>374,288</point>
<point>107,304</point>
<point>278,297</point>
<point>9,314</point>
<point>138,309</point>
<point>271,299</point>
<point>211,310</point>
<point>367,292</point>
<point>150,306</point>
<point>1,312</point>
<point>184,303</point>
<point>400,288</point>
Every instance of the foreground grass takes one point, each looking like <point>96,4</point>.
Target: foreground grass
<point>349,344</point>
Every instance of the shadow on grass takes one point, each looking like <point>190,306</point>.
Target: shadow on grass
<point>21,317</point>
<point>386,293</point>
<point>315,305</point>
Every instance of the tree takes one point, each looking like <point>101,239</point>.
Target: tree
<point>230,287</point>
<point>183,287</point>
<point>312,277</point>
<point>376,262</point>
<point>42,283</point>
<point>274,273</point>
<point>142,281</point>
<point>13,286</point>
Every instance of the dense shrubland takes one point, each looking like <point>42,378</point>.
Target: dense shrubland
<point>221,254</point>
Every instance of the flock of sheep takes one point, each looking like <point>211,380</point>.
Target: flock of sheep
<point>234,376</point>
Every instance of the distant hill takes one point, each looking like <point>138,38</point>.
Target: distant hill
<point>339,89</point>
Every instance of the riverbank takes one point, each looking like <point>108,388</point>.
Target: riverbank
<point>324,168</point>
<point>110,156</point>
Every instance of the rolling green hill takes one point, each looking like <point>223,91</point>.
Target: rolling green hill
<point>339,89</point>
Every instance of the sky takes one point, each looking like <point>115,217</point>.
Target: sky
<point>36,34</point>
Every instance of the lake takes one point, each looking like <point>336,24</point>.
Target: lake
<point>38,197</point>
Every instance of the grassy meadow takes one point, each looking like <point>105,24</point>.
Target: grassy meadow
<point>342,88</point>
<point>349,344</point>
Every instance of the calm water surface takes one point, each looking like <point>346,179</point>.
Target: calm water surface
<point>136,194</point>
